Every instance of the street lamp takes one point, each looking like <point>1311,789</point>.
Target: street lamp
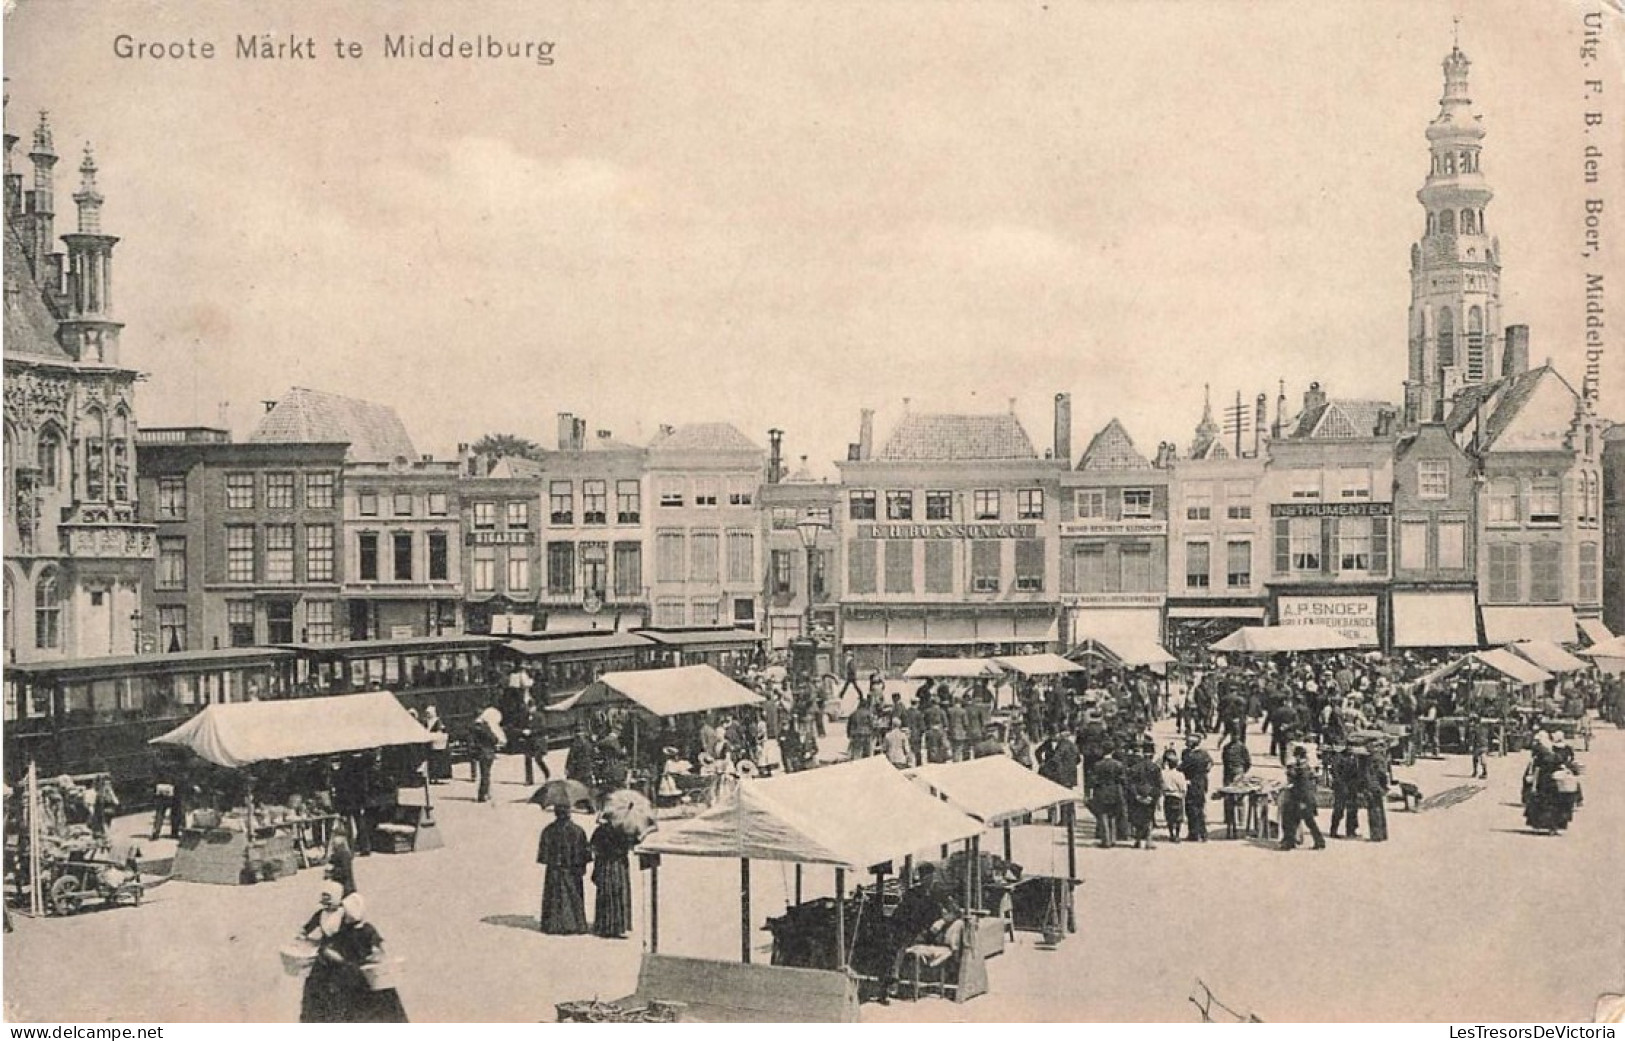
<point>809,528</point>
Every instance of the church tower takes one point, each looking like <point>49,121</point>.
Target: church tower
<point>1455,268</point>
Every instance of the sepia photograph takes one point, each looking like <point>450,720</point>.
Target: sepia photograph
<point>767,511</point>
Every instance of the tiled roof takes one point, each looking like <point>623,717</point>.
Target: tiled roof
<point>513,467</point>
<point>374,432</point>
<point>1342,419</point>
<point>704,437</point>
<point>1495,407</point>
<point>939,438</point>
<point>1113,449</point>
<point>30,329</point>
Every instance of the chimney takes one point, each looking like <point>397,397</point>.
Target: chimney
<point>567,430</point>
<point>1063,427</point>
<point>866,435</point>
<point>269,405</point>
<point>1166,454</point>
<point>775,456</point>
<point>1385,422</point>
<point>1314,397</point>
<point>1515,359</point>
<point>1261,421</point>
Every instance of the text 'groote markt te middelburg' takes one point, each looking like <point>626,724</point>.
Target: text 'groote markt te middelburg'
<point>294,47</point>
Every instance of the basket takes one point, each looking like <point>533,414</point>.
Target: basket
<point>297,958</point>
<point>384,974</point>
<point>1565,782</point>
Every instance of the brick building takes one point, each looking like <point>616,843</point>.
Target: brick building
<point>947,540</point>
<point>248,539</point>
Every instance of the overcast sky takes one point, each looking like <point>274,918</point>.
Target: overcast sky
<point>775,214</point>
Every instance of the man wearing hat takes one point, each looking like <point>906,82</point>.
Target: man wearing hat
<point>1346,770</point>
<point>1108,805</point>
<point>1298,805</point>
<point>1196,764</point>
<point>1375,788</point>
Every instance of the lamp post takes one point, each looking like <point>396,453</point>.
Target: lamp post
<point>809,528</point>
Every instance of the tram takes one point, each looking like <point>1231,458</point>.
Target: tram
<point>95,715</point>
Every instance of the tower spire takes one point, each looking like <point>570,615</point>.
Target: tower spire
<point>87,197</point>
<point>1455,266</point>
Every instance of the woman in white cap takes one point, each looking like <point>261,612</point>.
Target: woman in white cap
<point>360,945</point>
<point>325,998</point>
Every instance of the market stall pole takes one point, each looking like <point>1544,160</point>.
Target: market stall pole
<point>769,819</point>
<point>998,791</point>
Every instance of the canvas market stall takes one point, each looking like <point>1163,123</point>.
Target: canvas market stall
<point>658,699</point>
<point>1278,639</point>
<point>1489,683</point>
<point>882,818</point>
<point>1000,792</point>
<point>278,751</point>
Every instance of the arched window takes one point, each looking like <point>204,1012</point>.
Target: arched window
<point>1433,225</point>
<point>1476,369</point>
<point>1447,337</point>
<point>1447,222</point>
<point>95,438</point>
<point>47,611</point>
<point>1468,222</point>
<point>50,457</point>
<point>119,444</point>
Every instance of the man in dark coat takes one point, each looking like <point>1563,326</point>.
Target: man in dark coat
<point>1142,789</point>
<point>959,729</point>
<point>1107,805</point>
<point>1347,791</point>
<point>914,722</point>
<point>860,731</point>
<point>926,908</point>
<point>1298,805</point>
<point>564,852</point>
<point>1058,760</point>
<point>1377,780</point>
<point>1283,721</point>
<point>1195,765</point>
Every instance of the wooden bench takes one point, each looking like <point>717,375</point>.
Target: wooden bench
<point>734,992</point>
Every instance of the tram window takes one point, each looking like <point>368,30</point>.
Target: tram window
<point>13,698</point>
<point>375,671</point>
<point>392,671</point>
<point>462,668</point>
<point>76,701</point>
<point>186,692</point>
<point>358,675</point>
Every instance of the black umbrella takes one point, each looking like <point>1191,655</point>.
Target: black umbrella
<point>562,791</point>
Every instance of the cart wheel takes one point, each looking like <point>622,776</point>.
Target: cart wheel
<point>66,897</point>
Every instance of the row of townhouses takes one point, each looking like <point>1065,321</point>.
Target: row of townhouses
<point>1488,506</point>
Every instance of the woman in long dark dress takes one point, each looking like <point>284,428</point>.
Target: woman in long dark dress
<point>331,985</point>
<point>565,853</point>
<point>358,943</point>
<point>612,878</point>
<point>1540,790</point>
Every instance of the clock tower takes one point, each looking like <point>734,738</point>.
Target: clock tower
<point>1456,267</point>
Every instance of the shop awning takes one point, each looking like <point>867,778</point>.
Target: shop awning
<point>1038,664</point>
<point>1595,631</point>
<point>1499,659</point>
<point>993,789</point>
<point>664,692</point>
<point>1435,620</point>
<point>1610,648</point>
<point>950,668</point>
<point>1549,656</point>
<point>1503,625</point>
<point>1117,623</point>
<point>790,818</point>
<point>236,735</point>
<point>1267,639</point>
<point>1124,650</point>
<point>1204,611</point>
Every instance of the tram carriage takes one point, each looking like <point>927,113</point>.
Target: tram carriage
<point>95,715</point>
